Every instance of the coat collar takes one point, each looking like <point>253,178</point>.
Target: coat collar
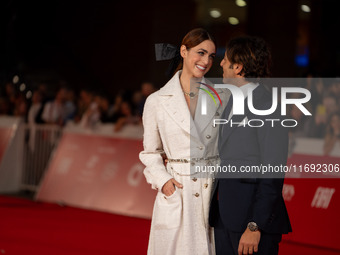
<point>173,101</point>
<point>172,87</point>
<point>213,111</point>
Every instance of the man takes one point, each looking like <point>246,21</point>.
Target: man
<point>248,212</point>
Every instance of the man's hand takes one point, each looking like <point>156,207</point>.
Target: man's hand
<point>169,187</point>
<point>249,242</point>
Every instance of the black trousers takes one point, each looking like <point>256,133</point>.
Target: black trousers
<point>226,241</point>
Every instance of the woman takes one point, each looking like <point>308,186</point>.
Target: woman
<point>173,125</point>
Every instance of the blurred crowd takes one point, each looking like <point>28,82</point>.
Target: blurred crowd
<point>324,106</point>
<point>87,108</point>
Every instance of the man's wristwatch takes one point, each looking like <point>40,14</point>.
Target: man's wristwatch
<point>253,226</point>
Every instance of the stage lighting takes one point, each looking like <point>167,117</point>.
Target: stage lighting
<point>215,13</point>
<point>241,3</point>
<point>233,21</point>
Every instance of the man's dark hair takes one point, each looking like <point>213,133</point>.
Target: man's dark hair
<point>253,53</point>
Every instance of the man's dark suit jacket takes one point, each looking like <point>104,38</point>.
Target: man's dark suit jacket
<point>252,198</point>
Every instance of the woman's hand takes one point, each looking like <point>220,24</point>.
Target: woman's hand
<point>169,187</point>
<point>165,159</point>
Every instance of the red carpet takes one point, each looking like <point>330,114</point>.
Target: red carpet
<point>28,227</point>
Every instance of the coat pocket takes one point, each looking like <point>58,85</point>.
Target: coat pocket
<point>167,212</point>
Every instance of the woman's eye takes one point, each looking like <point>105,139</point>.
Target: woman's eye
<point>201,53</point>
<point>212,56</point>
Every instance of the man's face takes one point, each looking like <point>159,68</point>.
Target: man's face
<point>229,71</point>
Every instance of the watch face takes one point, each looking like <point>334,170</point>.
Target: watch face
<point>252,226</point>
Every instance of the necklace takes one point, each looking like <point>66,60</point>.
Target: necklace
<point>191,94</point>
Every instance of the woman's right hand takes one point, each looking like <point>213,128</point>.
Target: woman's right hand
<point>169,187</point>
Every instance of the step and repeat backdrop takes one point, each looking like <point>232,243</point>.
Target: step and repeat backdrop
<point>11,153</point>
<point>100,173</point>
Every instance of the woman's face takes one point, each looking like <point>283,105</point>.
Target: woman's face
<point>197,60</point>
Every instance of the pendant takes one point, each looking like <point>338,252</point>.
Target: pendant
<point>192,94</point>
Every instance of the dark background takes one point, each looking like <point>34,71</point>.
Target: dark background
<point>109,45</point>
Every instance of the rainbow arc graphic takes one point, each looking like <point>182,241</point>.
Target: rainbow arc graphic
<point>209,93</point>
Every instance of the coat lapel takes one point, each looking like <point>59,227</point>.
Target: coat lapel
<point>173,101</point>
<point>213,111</point>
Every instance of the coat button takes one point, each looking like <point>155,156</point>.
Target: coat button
<point>194,179</point>
<point>192,163</point>
<point>208,136</point>
<point>200,147</point>
<point>206,185</point>
<point>197,195</point>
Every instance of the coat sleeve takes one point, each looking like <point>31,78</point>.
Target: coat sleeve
<point>273,145</point>
<point>155,172</point>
